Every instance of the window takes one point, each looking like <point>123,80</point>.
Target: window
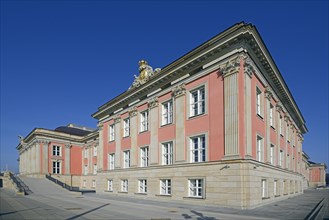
<point>126,159</point>
<point>167,153</point>
<point>275,188</point>
<point>95,150</point>
<point>85,170</point>
<point>126,127</point>
<point>144,156</point>
<point>288,161</point>
<point>196,188</point>
<point>271,115</point>
<point>85,153</point>
<point>110,185</point>
<point>56,167</point>
<point>264,188</point>
<point>111,161</point>
<point>198,149</point>
<point>112,132</point>
<point>144,121</point>
<point>258,101</point>
<point>124,185</point>
<point>280,125</point>
<point>165,187</point>
<point>56,150</point>
<point>142,186</point>
<point>272,154</point>
<point>94,184</point>
<point>95,169</point>
<point>197,102</point>
<point>281,158</point>
<point>260,149</point>
<point>167,113</point>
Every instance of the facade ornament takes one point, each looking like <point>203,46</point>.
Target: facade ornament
<point>100,125</point>
<point>21,140</point>
<point>248,66</point>
<point>279,107</point>
<point>68,146</point>
<point>178,90</point>
<point>268,93</point>
<point>133,111</point>
<point>117,119</point>
<point>145,74</point>
<point>231,66</point>
<point>152,103</point>
<point>287,118</point>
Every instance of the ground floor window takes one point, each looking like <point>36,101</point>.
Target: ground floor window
<point>275,188</point>
<point>124,185</point>
<point>264,188</point>
<point>110,185</point>
<point>196,187</point>
<point>142,186</point>
<point>94,184</point>
<point>84,184</point>
<point>56,167</point>
<point>165,187</point>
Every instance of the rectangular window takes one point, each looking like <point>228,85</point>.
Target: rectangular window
<point>280,125</point>
<point>144,156</point>
<point>110,185</point>
<point>288,161</point>
<point>167,113</point>
<point>94,184</point>
<point>95,150</point>
<point>196,188</point>
<point>198,149</point>
<point>144,121</point>
<point>56,167</point>
<point>111,161</point>
<point>124,185</point>
<point>272,154</point>
<point>112,132</point>
<point>165,187</point>
<point>167,153</point>
<point>275,188</point>
<point>56,150</point>
<point>197,102</point>
<point>126,159</point>
<point>258,101</point>
<point>142,186</point>
<point>126,127</point>
<point>264,188</point>
<point>260,149</point>
<point>281,158</point>
<point>95,169</point>
<point>85,153</point>
<point>271,115</point>
<point>85,170</point>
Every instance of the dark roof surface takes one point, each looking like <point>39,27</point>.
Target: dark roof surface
<point>73,131</point>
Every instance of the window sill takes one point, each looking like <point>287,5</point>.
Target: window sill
<point>128,136</point>
<point>108,190</point>
<point>140,193</point>
<point>261,117</point>
<point>273,127</point>
<point>277,196</point>
<point>193,197</point>
<point>285,194</point>
<point>164,195</point>
<point>142,132</point>
<point>166,125</point>
<point>123,192</point>
<point>196,116</point>
<point>263,198</point>
<point>111,141</point>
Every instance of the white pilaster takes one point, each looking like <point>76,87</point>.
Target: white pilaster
<point>133,134</point>
<point>100,149</point>
<point>117,122</point>
<point>154,124</point>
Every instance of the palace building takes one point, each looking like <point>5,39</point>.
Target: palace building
<point>218,126</point>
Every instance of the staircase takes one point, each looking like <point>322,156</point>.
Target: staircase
<point>42,186</point>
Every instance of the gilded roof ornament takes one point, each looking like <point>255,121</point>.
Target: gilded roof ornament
<point>145,74</point>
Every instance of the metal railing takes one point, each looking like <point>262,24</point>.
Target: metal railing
<point>21,186</point>
<point>64,185</point>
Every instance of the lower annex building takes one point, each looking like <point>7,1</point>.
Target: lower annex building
<point>217,126</point>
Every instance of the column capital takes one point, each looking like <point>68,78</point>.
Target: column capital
<point>117,119</point>
<point>248,66</point>
<point>100,125</point>
<point>68,146</point>
<point>268,93</point>
<point>132,112</point>
<point>231,66</point>
<point>279,107</point>
<point>153,102</point>
<point>178,90</point>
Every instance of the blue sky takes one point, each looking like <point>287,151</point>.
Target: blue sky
<point>60,60</point>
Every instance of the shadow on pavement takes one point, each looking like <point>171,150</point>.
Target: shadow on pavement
<point>92,210</point>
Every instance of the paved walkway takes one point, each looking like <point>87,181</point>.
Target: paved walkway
<point>94,206</point>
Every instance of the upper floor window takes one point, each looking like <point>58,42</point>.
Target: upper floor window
<point>197,102</point>
<point>196,188</point>
<point>95,150</point>
<point>111,161</point>
<point>142,186</point>
<point>167,113</point>
<point>271,115</point>
<point>85,153</point>
<point>260,149</point>
<point>126,159</point>
<point>258,101</point>
<point>198,149</point>
<point>281,158</point>
<point>56,167</point>
<point>126,127</point>
<point>112,132</point>
<point>95,169</point>
<point>280,125</point>
<point>85,170</point>
<point>144,121</point>
<point>144,156</point>
<point>288,161</point>
<point>272,154</point>
<point>165,187</point>
<point>167,153</point>
<point>56,150</point>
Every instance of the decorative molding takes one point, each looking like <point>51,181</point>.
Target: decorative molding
<point>178,90</point>
<point>268,93</point>
<point>248,66</point>
<point>100,125</point>
<point>287,118</point>
<point>145,74</point>
<point>132,112</point>
<point>279,107</point>
<point>231,66</point>
<point>117,119</point>
<point>152,103</point>
<point>68,146</point>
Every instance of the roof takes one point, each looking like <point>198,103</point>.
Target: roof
<point>73,131</point>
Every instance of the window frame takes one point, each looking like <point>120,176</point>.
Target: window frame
<point>259,102</point>
<point>194,189</point>
<point>57,167</point>
<point>144,121</point>
<point>111,161</point>
<point>124,185</point>
<point>57,151</point>
<point>167,152</point>
<point>95,151</point>
<point>142,186</point>
<point>95,169</point>
<point>112,132</point>
<point>260,148</point>
<point>126,159</point>
<point>144,156</point>
<point>201,151</point>
<point>167,113</point>
<point>199,103</point>
<point>110,185</point>
<point>126,127</point>
<point>165,187</point>
<point>264,188</point>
